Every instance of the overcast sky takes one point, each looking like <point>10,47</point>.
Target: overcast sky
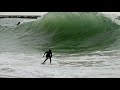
<point>40,13</point>
<point>22,13</point>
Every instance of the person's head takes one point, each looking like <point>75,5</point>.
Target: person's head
<point>49,50</point>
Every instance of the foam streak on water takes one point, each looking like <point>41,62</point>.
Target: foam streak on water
<point>20,65</point>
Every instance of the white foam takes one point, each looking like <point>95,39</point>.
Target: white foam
<point>23,65</point>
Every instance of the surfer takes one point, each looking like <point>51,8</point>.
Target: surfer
<point>48,56</point>
<point>18,23</point>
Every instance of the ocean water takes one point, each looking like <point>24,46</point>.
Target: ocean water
<point>84,45</point>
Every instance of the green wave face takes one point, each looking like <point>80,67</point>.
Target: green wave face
<point>71,31</point>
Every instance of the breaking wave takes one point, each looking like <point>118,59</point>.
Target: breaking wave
<point>67,32</point>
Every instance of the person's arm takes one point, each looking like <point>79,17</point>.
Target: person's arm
<point>44,54</point>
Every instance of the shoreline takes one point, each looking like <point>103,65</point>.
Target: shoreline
<point>19,16</point>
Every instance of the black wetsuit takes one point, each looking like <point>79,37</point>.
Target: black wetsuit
<point>18,23</point>
<point>48,55</point>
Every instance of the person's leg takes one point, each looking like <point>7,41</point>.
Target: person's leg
<point>50,60</point>
<point>45,60</point>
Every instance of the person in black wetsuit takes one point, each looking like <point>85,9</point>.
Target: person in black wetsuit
<point>18,23</point>
<point>48,56</point>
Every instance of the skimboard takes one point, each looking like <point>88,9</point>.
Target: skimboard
<point>46,64</point>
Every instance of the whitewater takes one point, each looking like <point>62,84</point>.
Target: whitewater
<point>84,45</point>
